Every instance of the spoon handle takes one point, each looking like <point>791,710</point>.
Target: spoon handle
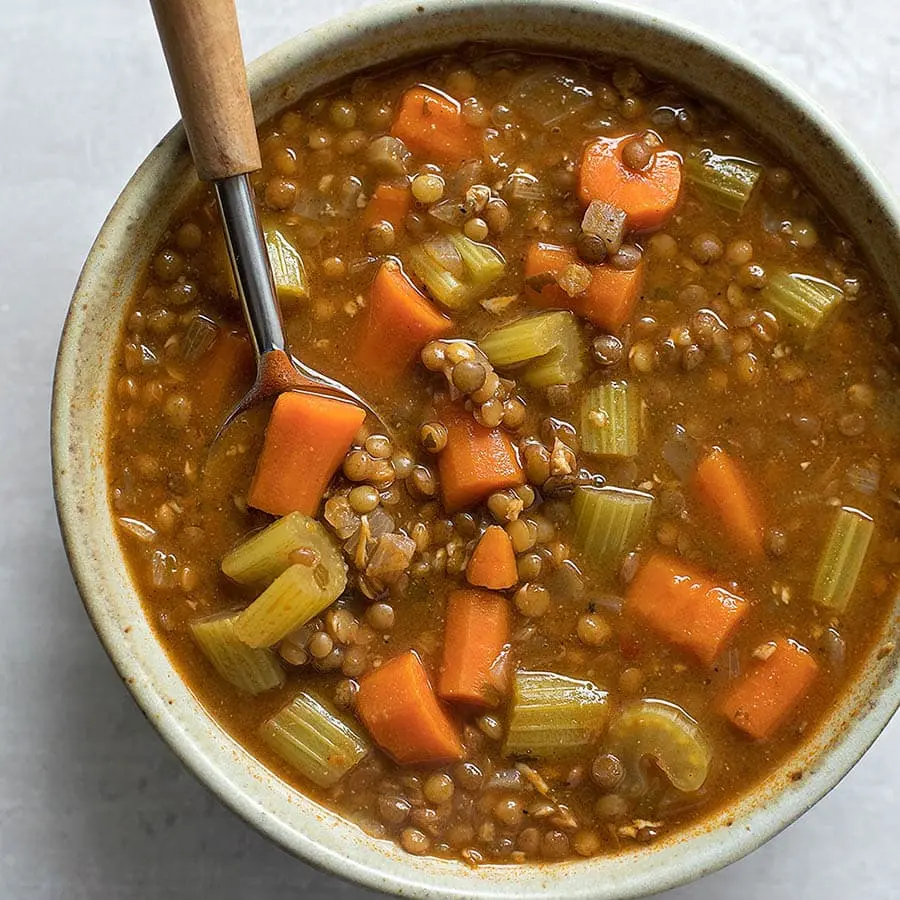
<point>202,44</point>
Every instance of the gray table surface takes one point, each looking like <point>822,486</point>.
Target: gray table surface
<point>92,803</point>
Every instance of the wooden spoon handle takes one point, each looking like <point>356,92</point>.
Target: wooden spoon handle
<point>203,51</point>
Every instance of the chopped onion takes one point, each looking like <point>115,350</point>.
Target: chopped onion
<point>451,212</point>
<point>680,452</point>
<point>864,478</point>
<point>141,530</point>
<point>198,338</point>
<point>547,97</point>
<point>522,187</point>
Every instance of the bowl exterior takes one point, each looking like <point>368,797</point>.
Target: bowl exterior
<point>777,112</point>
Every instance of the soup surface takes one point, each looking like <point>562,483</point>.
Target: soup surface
<point>631,518</point>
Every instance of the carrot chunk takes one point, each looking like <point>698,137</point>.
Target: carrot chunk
<point>648,197</point>
<point>763,699</point>
<point>476,638</point>
<point>226,370</point>
<point>476,461</point>
<point>493,562</point>
<point>399,321</point>
<point>684,607</point>
<point>608,301</point>
<point>430,124</point>
<point>397,705</point>
<point>388,203</point>
<point>305,442</point>
<point>724,489</point>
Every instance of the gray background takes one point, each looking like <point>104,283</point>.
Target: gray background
<point>92,803</point>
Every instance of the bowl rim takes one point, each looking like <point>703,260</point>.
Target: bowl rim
<point>840,757</point>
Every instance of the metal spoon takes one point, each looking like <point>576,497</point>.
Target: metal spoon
<point>202,45</point>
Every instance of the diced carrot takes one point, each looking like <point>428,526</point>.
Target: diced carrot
<point>430,123</point>
<point>225,371</point>
<point>475,462</point>
<point>762,700</point>
<point>397,705</point>
<point>306,440</point>
<point>493,562</point>
<point>648,196</point>
<point>398,322</point>
<point>726,492</point>
<point>684,607</point>
<point>388,203</point>
<point>476,638</point>
<point>609,300</point>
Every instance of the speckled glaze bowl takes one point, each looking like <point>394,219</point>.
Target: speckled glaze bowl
<point>769,108</point>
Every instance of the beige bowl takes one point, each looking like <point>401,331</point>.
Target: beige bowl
<point>770,109</point>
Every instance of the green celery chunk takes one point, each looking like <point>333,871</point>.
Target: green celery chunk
<point>546,348</point>
<point>609,521</point>
<point>300,592</point>
<point>265,555</point>
<point>842,558</point>
<point>552,715</point>
<point>288,271</point>
<point>611,419</point>
<point>313,739</point>
<point>484,264</point>
<point>726,180</point>
<point>443,286</point>
<point>251,670</point>
<point>666,734</point>
<point>804,303</point>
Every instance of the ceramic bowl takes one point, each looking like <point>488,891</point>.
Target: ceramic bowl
<point>769,108</point>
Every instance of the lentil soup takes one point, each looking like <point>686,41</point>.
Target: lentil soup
<point>636,512</point>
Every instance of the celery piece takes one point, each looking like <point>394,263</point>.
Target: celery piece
<point>842,558</point>
<point>300,592</point>
<point>726,180</point>
<point>804,303</point>
<point>665,733</point>
<point>547,346</point>
<point>288,270</point>
<point>313,739</point>
<point>611,419</point>
<point>265,555</point>
<point>251,670</point>
<point>443,286</point>
<point>609,521</point>
<point>551,715</point>
<point>484,263</point>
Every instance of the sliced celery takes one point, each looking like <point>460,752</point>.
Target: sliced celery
<point>842,558</point>
<point>551,715</point>
<point>313,739</point>
<point>609,521</point>
<point>251,670</point>
<point>804,303</point>
<point>291,600</point>
<point>548,347</point>
<point>264,556</point>
<point>726,180</point>
<point>443,286</point>
<point>611,419</point>
<point>288,271</point>
<point>666,734</point>
<point>484,263</point>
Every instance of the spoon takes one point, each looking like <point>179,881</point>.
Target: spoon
<point>202,45</point>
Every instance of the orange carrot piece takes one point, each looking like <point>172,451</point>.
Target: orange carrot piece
<point>398,322</point>
<point>476,638</point>
<point>493,562</point>
<point>430,123</point>
<point>306,440</point>
<point>684,607</point>
<point>608,302</point>
<point>648,197</point>
<point>476,461</point>
<point>397,705</point>
<point>761,701</point>
<point>225,371</point>
<point>388,203</point>
<point>724,489</point>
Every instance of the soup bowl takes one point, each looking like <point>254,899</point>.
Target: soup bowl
<point>766,106</point>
